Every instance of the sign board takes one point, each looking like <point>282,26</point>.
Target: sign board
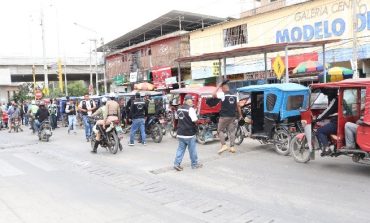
<point>278,67</point>
<point>171,80</point>
<point>38,94</point>
<point>133,77</point>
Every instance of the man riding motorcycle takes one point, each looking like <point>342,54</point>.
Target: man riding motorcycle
<point>33,108</point>
<point>113,110</point>
<point>41,115</point>
<point>101,112</point>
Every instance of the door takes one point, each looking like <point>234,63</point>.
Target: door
<point>257,112</point>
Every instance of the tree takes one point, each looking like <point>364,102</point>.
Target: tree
<point>77,88</point>
<point>25,92</point>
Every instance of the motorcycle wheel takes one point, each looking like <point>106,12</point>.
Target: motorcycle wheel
<point>114,142</point>
<point>47,138</point>
<point>201,136</point>
<point>239,136</point>
<point>173,132</point>
<point>299,150</point>
<point>93,142</point>
<point>156,133</point>
<point>281,142</point>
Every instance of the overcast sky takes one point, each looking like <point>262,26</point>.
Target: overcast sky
<point>21,30</point>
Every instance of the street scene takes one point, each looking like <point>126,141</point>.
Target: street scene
<point>169,111</point>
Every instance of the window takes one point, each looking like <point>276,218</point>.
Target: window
<point>295,102</point>
<point>270,102</point>
<point>236,35</point>
<point>350,102</point>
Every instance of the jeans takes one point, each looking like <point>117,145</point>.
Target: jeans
<point>26,119</point>
<point>191,144</point>
<point>37,125</point>
<point>324,132</point>
<point>350,130</point>
<point>138,124</point>
<point>72,123</point>
<point>88,126</point>
<point>53,121</point>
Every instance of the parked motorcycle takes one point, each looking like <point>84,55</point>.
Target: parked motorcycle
<point>243,129</point>
<point>45,131</point>
<point>16,125</point>
<point>110,137</point>
<point>153,127</point>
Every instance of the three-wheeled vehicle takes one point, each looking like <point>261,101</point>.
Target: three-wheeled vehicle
<point>275,112</point>
<point>353,106</point>
<point>208,116</point>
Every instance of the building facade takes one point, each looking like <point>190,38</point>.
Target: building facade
<point>302,22</point>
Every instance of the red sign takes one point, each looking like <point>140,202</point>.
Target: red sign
<point>160,76</point>
<point>294,60</point>
<point>38,94</point>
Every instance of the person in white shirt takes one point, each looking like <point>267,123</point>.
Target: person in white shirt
<point>86,107</point>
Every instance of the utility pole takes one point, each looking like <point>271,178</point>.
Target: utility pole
<point>96,67</point>
<point>91,75</point>
<point>46,83</point>
<point>354,48</point>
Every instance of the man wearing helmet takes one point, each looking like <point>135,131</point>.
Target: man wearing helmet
<point>101,112</point>
<point>41,115</point>
<point>113,110</point>
<point>33,108</point>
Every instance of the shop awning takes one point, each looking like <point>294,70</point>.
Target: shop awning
<point>248,51</point>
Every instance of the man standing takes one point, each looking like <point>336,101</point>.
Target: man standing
<point>186,131</point>
<point>86,107</point>
<point>53,110</point>
<point>228,113</point>
<point>71,114</point>
<point>25,112</point>
<point>138,112</point>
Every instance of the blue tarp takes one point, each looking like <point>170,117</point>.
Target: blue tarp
<point>273,87</point>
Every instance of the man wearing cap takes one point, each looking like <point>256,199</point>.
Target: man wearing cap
<point>86,107</point>
<point>186,131</point>
<point>228,115</point>
<point>138,112</point>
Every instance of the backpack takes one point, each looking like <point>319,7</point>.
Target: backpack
<point>151,107</point>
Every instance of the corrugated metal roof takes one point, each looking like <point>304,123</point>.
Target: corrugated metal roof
<point>165,24</point>
<point>275,87</point>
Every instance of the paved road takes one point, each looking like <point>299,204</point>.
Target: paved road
<point>61,181</point>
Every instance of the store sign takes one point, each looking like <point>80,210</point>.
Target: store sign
<point>133,77</point>
<point>160,76</point>
<point>323,29</point>
<point>171,80</point>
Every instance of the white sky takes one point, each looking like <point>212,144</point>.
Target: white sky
<point>21,30</point>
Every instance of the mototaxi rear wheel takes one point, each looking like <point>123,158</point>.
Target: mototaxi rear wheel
<point>281,142</point>
<point>299,149</point>
<point>156,133</point>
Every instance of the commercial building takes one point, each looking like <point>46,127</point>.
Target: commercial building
<point>148,53</point>
<point>298,21</point>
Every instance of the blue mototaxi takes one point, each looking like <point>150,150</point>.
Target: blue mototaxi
<point>275,112</point>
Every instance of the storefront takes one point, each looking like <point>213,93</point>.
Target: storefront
<point>306,22</point>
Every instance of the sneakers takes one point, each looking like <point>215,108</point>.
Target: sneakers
<point>131,144</point>
<point>144,144</point>
<point>178,168</point>
<point>93,151</point>
<point>87,140</point>
<point>232,149</point>
<point>197,166</point>
<point>223,149</point>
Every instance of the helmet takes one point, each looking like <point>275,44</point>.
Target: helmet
<point>104,100</point>
<point>33,102</point>
<point>112,95</point>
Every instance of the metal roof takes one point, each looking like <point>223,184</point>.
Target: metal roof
<point>274,87</point>
<point>248,51</point>
<point>165,24</point>
<point>359,82</point>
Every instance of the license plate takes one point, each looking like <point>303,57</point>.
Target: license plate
<point>118,129</point>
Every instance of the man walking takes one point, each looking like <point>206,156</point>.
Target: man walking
<point>228,113</point>
<point>71,114</point>
<point>53,111</point>
<point>186,131</point>
<point>138,112</point>
<point>86,107</point>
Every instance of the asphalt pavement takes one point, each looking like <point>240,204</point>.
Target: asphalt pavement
<point>61,181</point>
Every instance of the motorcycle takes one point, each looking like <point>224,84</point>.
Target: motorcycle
<point>16,127</point>
<point>110,136</point>
<point>154,128</point>
<point>244,127</point>
<point>45,131</point>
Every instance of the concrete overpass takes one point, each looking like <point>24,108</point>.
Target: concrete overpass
<point>77,68</point>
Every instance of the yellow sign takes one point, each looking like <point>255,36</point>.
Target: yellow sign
<point>278,67</point>
<point>60,75</point>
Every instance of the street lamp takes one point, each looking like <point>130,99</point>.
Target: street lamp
<point>96,57</point>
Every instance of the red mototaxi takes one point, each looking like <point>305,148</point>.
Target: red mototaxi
<point>360,88</point>
<point>204,111</point>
